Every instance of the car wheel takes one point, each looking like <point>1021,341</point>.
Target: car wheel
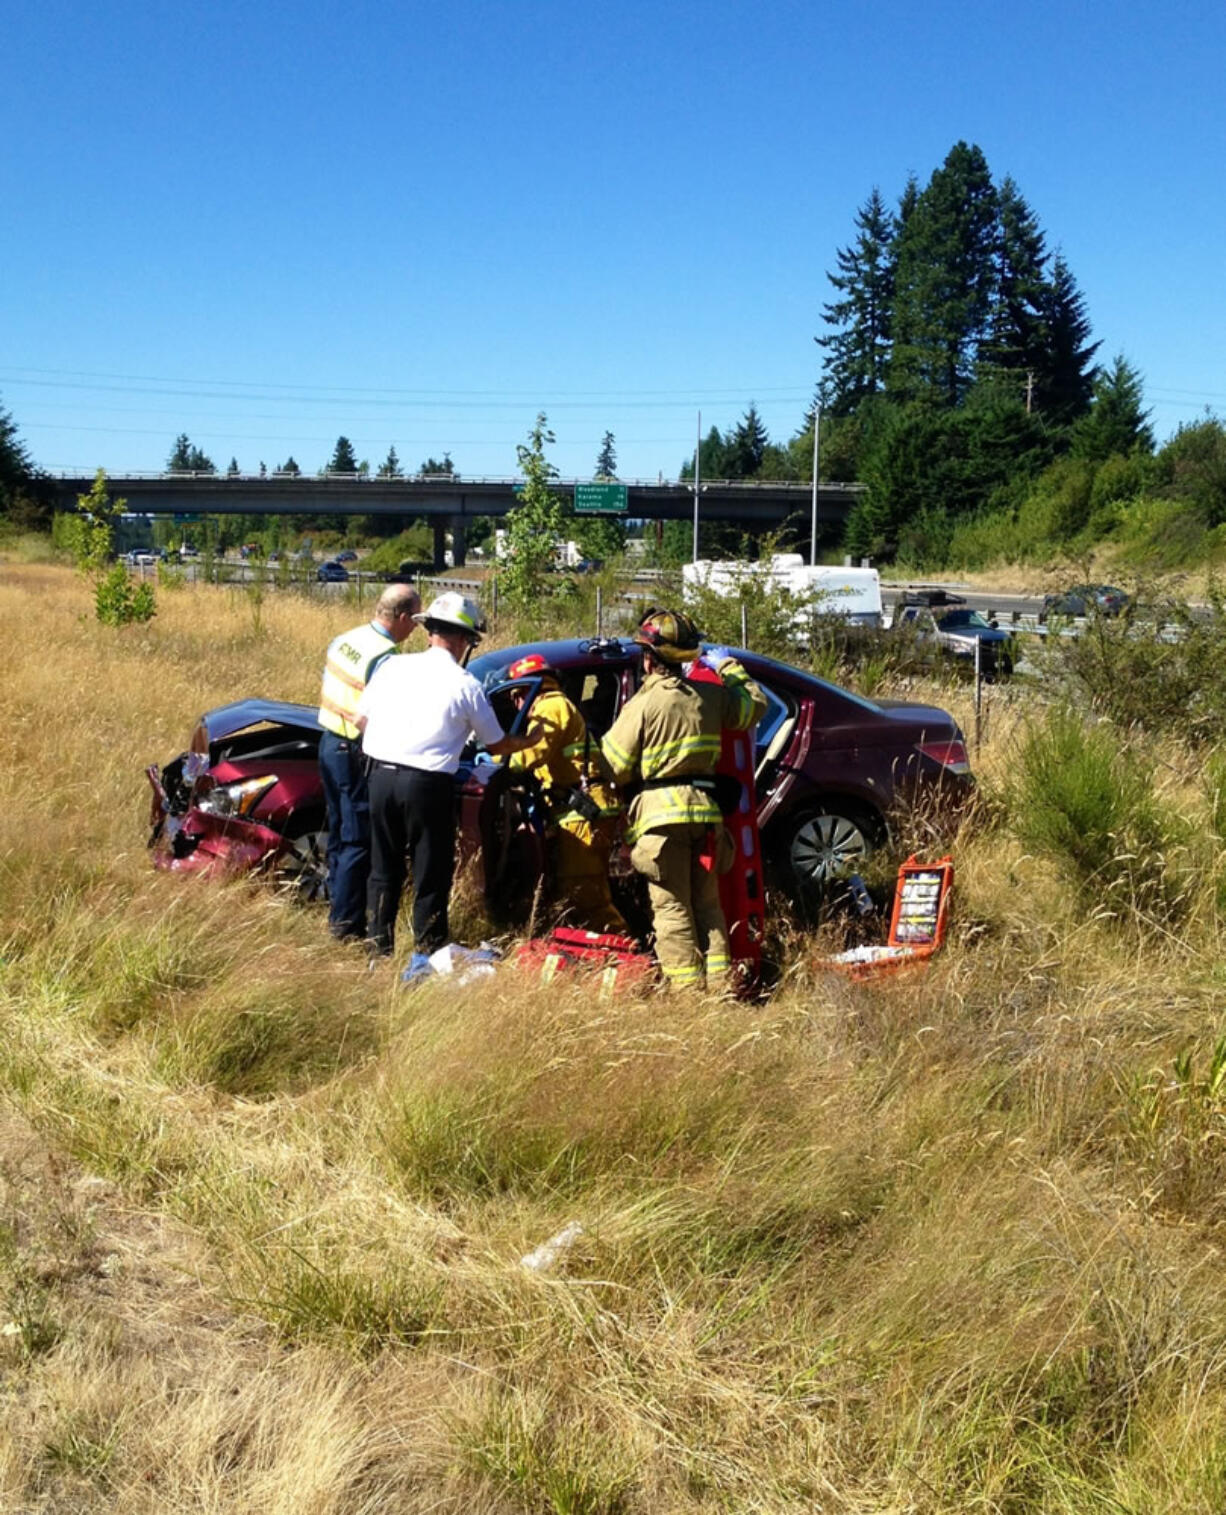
<point>302,868</point>
<point>826,841</point>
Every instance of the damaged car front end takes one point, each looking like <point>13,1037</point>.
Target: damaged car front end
<point>244,795</point>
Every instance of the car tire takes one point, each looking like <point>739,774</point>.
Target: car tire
<point>821,842</point>
<point>302,868</point>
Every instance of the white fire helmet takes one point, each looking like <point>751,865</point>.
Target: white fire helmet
<point>454,609</point>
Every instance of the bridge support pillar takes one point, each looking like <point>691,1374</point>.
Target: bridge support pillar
<point>440,543</point>
<point>459,542</point>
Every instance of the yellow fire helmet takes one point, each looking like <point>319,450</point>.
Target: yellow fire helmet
<point>669,634</point>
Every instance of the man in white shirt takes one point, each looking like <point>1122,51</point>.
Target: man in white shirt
<point>416,715</point>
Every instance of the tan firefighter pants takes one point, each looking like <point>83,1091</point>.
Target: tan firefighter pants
<point>690,930</point>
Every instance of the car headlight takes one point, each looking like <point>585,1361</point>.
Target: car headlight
<point>236,799</point>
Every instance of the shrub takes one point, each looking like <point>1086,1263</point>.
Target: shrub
<point>1085,798</point>
<point>1157,666</point>
<point>118,602</point>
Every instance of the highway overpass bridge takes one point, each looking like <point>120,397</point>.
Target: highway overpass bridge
<point>449,501</point>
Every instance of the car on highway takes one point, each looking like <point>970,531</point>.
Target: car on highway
<point>332,572</point>
<point>347,556</point>
<point>957,632</point>
<point>834,771</point>
<point>1084,600</point>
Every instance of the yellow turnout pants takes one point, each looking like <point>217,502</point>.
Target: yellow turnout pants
<point>581,852</point>
<point>691,933</point>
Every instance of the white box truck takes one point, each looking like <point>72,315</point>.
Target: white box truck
<point>851,592</point>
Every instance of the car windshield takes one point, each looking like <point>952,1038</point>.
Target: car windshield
<point>962,620</point>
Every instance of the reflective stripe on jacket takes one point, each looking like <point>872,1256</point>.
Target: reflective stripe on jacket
<point>351,659</point>
<point>671,729</point>
<point>564,756</point>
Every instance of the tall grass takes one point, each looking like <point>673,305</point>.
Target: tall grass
<point>941,1242</point>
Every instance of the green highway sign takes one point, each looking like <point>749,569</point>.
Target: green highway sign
<point>600,499</point>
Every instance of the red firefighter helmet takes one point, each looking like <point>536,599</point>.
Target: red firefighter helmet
<point>531,665</point>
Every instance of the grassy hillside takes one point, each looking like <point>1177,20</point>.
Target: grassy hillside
<point>943,1243</point>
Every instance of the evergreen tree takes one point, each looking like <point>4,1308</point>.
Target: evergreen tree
<point>1115,422</point>
<point>1064,373</point>
<point>746,447</point>
<point>712,457</point>
<point>343,459</point>
<point>16,469</point>
<point>290,467</point>
<point>433,466</point>
<point>858,347</point>
<point>232,471</point>
<point>606,463</point>
<point>390,467</point>
<point>185,458</point>
<point>944,281</point>
<point>1016,338</point>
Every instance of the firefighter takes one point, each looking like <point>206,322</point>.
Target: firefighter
<point>665,745</point>
<point>581,799</point>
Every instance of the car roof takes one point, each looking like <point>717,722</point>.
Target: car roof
<point>227,719</point>
<point>593,652</point>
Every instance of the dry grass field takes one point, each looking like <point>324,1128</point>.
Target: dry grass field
<point>944,1243</point>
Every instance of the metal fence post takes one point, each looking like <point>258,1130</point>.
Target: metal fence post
<point>978,693</point>
<point>599,612</point>
<point>744,625</point>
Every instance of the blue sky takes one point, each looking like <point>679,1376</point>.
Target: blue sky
<point>267,225</point>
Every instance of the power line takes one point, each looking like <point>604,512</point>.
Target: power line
<point>380,394</point>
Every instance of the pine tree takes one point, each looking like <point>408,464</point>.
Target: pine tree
<point>606,463</point>
<point>1064,373</point>
<point>746,447</point>
<point>390,467</point>
<point>16,469</point>
<point>1016,340</point>
<point>1115,423</point>
<point>944,282</point>
<point>858,348</point>
<point>185,458</point>
<point>343,459</point>
<point>290,467</point>
<point>233,470</point>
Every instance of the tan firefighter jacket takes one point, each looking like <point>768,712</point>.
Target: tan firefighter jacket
<point>671,730</point>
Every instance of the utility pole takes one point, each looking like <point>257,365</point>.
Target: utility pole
<point>697,484</point>
<point>817,424</point>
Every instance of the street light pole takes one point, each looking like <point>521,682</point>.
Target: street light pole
<point>697,484</point>
<point>817,422</point>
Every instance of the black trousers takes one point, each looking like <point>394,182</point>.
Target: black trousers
<point>412,820</point>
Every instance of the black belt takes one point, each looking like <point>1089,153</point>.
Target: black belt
<point>703,781</point>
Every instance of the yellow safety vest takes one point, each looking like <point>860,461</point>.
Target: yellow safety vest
<point>350,661</point>
<point>671,729</point>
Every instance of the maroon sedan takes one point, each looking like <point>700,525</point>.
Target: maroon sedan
<point>832,770</point>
